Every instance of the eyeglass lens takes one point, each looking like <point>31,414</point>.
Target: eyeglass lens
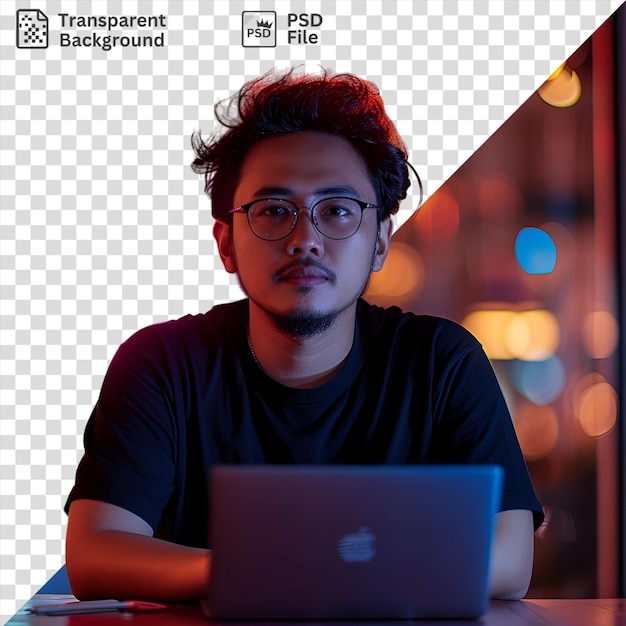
<point>335,218</point>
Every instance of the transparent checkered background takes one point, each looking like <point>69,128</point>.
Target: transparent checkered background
<point>104,228</point>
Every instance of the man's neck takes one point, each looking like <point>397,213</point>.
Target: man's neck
<point>301,362</point>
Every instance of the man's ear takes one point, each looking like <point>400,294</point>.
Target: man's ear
<point>222,234</point>
<point>382,244</point>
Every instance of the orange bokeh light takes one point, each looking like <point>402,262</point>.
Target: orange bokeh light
<point>532,335</point>
<point>562,88</point>
<point>402,274</point>
<point>537,429</point>
<point>600,334</point>
<point>596,406</point>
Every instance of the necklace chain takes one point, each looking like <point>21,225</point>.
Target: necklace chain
<point>252,352</point>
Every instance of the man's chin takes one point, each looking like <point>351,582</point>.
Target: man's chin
<point>302,324</point>
<point>304,319</point>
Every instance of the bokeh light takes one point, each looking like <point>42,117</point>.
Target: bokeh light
<point>532,335</point>
<point>541,382</point>
<point>402,274</point>
<point>562,89</point>
<point>535,251</point>
<point>537,429</point>
<point>595,404</point>
<point>600,334</point>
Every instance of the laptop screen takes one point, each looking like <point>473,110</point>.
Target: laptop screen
<point>351,542</point>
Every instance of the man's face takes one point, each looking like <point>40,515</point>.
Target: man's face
<point>304,274</point>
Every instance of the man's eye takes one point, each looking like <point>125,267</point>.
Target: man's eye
<point>273,210</point>
<point>335,210</point>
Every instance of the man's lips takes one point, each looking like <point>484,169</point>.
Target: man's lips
<point>308,272</point>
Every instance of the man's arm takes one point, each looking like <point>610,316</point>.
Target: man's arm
<point>512,556</point>
<point>111,553</point>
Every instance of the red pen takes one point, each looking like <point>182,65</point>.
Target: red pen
<point>96,606</point>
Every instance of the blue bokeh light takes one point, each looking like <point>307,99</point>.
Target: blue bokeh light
<point>541,382</point>
<point>535,251</point>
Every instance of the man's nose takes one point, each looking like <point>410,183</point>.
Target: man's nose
<point>305,237</point>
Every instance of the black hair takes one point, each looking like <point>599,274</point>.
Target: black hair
<point>341,104</point>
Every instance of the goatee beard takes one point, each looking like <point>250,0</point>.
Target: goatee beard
<point>305,324</point>
<point>302,324</point>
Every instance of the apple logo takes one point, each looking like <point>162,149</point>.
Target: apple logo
<point>357,547</point>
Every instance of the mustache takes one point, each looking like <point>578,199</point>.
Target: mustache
<point>304,263</point>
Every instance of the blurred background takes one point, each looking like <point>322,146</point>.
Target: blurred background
<point>524,247</point>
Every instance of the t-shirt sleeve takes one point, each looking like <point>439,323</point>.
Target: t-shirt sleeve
<point>473,425</point>
<point>130,438</point>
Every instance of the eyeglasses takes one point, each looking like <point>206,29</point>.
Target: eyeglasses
<point>272,219</point>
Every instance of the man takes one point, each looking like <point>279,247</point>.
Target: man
<point>302,183</point>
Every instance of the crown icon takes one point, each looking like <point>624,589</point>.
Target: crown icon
<point>262,24</point>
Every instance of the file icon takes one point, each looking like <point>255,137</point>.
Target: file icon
<point>31,29</point>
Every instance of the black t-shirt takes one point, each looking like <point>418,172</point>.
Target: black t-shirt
<point>184,395</point>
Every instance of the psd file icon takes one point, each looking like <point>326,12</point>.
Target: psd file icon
<point>258,29</point>
<point>31,29</point>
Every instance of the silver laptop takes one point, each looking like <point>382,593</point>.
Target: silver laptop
<point>351,542</point>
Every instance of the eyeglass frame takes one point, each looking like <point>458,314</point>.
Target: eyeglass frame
<point>296,213</point>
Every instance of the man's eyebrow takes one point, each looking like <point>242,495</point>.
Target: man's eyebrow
<point>340,190</point>
<point>271,192</point>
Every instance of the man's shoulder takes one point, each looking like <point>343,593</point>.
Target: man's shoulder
<point>384,320</point>
<point>215,325</point>
<point>392,333</point>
